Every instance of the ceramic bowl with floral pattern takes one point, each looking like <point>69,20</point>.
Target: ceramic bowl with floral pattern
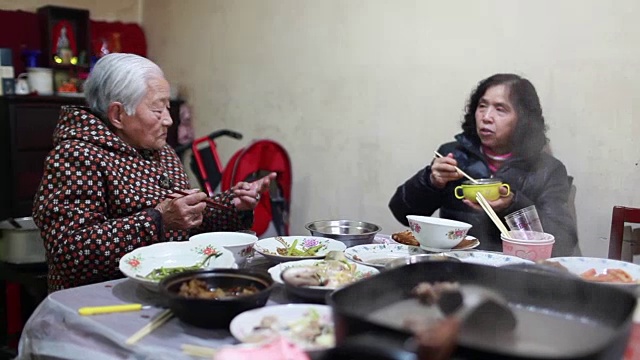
<point>145,265</point>
<point>240,244</point>
<point>436,233</point>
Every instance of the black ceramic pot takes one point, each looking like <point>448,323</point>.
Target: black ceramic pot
<point>215,313</point>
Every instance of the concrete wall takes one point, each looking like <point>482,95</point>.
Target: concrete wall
<point>361,92</point>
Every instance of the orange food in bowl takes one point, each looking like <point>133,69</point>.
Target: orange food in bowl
<point>609,275</point>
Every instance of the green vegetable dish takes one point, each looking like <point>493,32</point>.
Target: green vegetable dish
<point>162,272</point>
<point>309,247</point>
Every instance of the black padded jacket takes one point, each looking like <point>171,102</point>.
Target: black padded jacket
<point>541,181</point>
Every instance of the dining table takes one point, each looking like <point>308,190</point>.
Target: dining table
<point>56,330</point>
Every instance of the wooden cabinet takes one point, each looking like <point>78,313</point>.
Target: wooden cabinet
<point>26,129</point>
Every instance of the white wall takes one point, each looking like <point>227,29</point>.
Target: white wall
<point>361,92</point>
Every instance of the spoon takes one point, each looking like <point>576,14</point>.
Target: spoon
<point>479,309</point>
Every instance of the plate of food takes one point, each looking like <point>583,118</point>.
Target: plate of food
<point>290,248</point>
<point>487,258</point>
<point>314,278</point>
<point>149,264</point>
<point>379,255</point>
<point>600,270</point>
<point>308,326</point>
<point>406,238</point>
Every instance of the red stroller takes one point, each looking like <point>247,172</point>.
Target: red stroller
<point>258,159</point>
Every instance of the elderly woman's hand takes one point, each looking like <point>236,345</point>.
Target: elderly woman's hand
<point>503,202</point>
<point>183,212</point>
<point>443,170</point>
<point>248,194</point>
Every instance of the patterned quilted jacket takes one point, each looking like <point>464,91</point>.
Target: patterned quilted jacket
<point>97,197</point>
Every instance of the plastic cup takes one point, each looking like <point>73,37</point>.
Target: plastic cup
<point>526,219</point>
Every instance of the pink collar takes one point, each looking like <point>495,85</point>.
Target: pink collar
<point>494,160</point>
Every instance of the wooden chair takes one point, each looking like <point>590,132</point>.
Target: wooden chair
<point>620,216</point>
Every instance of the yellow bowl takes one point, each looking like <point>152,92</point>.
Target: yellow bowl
<point>489,188</point>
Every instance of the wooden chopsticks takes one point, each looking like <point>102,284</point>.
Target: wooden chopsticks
<point>147,329</point>
<point>492,214</point>
<point>210,202</point>
<point>198,351</point>
<point>458,169</point>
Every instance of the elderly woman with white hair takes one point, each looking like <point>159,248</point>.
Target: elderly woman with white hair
<point>112,184</point>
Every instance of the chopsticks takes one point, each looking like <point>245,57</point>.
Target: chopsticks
<point>458,169</point>
<point>108,309</point>
<point>147,329</point>
<point>198,351</point>
<point>210,202</point>
<point>492,214</point>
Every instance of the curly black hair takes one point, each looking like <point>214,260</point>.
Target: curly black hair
<point>529,137</point>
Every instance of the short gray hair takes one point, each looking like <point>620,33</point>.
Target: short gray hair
<point>119,77</point>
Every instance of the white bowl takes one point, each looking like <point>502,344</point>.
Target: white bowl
<point>268,247</point>
<point>437,233</point>
<point>140,262</point>
<point>314,292</point>
<point>240,244</point>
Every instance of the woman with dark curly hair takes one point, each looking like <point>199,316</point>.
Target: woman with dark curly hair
<point>503,136</point>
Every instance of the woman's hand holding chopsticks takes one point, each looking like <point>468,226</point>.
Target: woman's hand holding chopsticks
<point>248,194</point>
<point>444,169</point>
<point>183,209</point>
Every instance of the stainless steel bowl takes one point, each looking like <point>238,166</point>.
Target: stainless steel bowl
<point>350,232</point>
<point>419,258</point>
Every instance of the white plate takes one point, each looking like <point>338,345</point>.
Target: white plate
<point>487,258</point>
<point>141,261</point>
<point>577,265</point>
<point>317,293</point>
<point>242,326</point>
<point>362,271</point>
<point>473,245</point>
<point>378,255</point>
<point>268,247</point>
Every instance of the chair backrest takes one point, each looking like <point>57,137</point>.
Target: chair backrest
<point>620,216</point>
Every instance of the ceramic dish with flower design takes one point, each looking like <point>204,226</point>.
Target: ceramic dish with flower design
<point>141,263</point>
<point>332,274</point>
<point>290,248</point>
<point>379,255</point>
<point>309,326</point>
<point>600,270</point>
<point>486,258</point>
